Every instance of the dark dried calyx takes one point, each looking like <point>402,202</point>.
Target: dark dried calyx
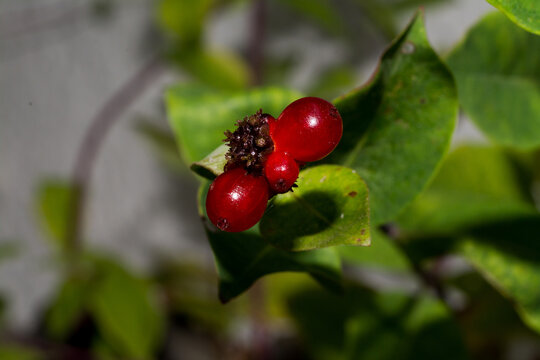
<point>250,144</point>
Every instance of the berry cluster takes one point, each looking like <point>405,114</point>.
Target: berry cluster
<point>264,159</point>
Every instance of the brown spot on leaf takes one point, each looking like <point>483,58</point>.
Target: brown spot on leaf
<point>352,194</point>
<point>422,101</point>
<point>363,231</point>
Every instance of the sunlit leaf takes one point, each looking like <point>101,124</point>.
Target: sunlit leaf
<point>398,127</point>
<point>329,207</point>
<point>498,78</point>
<point>525,13</point>
<point>199,116</point>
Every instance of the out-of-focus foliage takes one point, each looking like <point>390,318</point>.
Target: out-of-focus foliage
<point>507,253</point>
<point>55,201</point>
<point>475,184</point>
<point>368,325</point>
<point>498,78</point>
<point>183,20</point>
<point>15,352</point>
<point>383,253</point>
<point>121,306</point>
<point>163,143</point>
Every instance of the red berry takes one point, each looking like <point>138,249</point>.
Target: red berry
<point>308,129</point>
<point>236,200</point>
<point>281,171</point>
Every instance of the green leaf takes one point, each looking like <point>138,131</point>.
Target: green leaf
<point>365,325</point>
<point>498,78</point>
<point>163,144</point>
<point>199,116</point>
<point>213,164</point>
<point>323,12</point>
<point>55,200</point>
<point>68,308</point>
<point>525,13</point>
<point>242,258</point>
<point>333,82</point>
<point>8,250</point>
<point>398,127</point>
<point>16,352</point>
<point>382,253</point>
<point>183,20</point>
<point>221,70</point>
<point>329,207</point>
<point>475,184</point>
<point>125,313</point>
<point>507,254</point>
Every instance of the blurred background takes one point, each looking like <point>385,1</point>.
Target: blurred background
<point>63,61</point>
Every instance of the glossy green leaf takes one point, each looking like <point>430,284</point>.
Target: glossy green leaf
<point>242,258</point>
<point>475,184</point>
<point>329,207</point>
<point>398,127</point>
<point>507,253</point>
<point>199,116</point>
<point>383,253</point>
<point>125,313</point>
<point>525,13</point>
<point>54,201</point>
<point>365,325</point>
<point>498,78</point>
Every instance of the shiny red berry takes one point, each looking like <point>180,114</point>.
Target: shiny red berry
<point>281,171</point>
<point>308,129</point>
<point>236,200</point>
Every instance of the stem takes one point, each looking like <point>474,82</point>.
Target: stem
<point>260,347</point>
<point>256,44</point>
<point>93,139</point>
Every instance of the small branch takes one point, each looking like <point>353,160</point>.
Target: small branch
<point>94,137</point>
<point>256,44</point>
